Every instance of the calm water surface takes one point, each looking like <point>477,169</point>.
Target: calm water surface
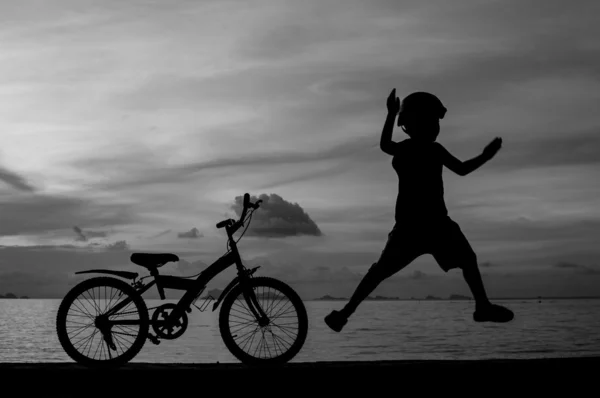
<point>378,331</point>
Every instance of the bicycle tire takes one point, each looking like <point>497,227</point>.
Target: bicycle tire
<point>102,282</point>
<point>228,336</point>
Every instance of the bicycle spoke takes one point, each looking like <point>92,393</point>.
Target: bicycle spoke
<point>251,339</point>
<point>80,325</point>
<point>268,344</point>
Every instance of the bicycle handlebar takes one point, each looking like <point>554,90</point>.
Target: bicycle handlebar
<point>237,224</point>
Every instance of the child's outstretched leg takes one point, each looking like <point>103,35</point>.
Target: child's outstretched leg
<point>337,319</point>
<point>397,254</point>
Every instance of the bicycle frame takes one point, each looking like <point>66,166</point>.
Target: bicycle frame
<point>194,287</point>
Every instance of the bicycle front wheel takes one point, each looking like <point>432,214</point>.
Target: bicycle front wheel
<point>82,336</point>
<point>276,342</point>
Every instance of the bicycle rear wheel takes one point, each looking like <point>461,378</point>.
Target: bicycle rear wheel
<point>278,341</point>
<point>78,331</point>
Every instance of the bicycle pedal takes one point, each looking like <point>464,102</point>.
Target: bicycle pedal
<point>153,339</point>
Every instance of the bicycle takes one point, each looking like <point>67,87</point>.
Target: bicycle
<point>169,321</point>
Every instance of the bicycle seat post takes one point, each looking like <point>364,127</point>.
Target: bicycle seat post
<point>155,274</point>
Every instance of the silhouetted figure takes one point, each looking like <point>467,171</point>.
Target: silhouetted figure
<point>422,225</point>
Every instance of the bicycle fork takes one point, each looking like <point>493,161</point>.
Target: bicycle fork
<point>253,304</point>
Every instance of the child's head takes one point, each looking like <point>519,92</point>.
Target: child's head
<point>420,115</point>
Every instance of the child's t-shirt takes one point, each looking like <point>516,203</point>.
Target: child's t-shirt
<point>420,185</point>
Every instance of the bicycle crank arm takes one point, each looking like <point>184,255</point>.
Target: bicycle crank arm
<point>153,339</point>
<point>108,339</point>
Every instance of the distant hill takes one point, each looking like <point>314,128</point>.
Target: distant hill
<point>11,296</point>
<point>459,297</point>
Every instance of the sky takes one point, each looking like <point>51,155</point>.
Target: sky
<point>137,126</point>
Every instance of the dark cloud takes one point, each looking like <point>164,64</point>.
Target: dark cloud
<point>35,214</point>
<point>83,237</point>
<point>194,233</point>
<point>33,285</point>
<point>418,275</point>
<point>277,217</point>
<point>542,50</point>
<point>567,265</point>
<point>345,153</point>
<point>592,271</point>
<point>324,95</point>
<point>118,246</point>
<point>513,230</point>
<point>579,268</point>
<point>49,271</point>
<point>163,233</point>
<point>80,236</point>
<point>549,149</point>
<point>15,180</point>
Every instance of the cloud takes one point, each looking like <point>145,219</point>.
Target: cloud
<point>80,236</point>
<point>563,264</point>
<point>579,268</point>
<point>277,217</point>
<point>83,237</point>
<point>335,158</point>
<point>118,246</point>
<point>193,234</point>
<point>48,271</point>
<point>15,180</point>
<point>418,275</point>
<point>163,233</point>
<point>38,214</point>
<point>29,284</point>
<point>549,149</point>
<point>294,94</point>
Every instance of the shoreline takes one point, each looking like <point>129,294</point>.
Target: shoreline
<point>158,379</point>
<point>334,299</point>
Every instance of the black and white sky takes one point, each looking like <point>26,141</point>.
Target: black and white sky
<point>131,126</point>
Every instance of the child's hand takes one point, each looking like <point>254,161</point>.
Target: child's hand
<point>393,103</point>
<point>493,147</point>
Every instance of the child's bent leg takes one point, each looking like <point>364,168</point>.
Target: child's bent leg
<point>370,281</point>
<point>473,279</point>
<point>452,250</point>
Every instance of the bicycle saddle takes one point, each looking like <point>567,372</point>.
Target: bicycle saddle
<point>151,260</point>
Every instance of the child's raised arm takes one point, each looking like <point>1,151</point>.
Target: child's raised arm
<point>393,106</point>
<point>463,168</point>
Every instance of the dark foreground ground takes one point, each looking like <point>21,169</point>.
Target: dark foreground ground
<point>575,376</point>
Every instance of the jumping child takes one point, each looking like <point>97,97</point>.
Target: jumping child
<point>422,225</point>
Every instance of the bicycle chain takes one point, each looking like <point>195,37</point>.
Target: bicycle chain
<point>133,312</point>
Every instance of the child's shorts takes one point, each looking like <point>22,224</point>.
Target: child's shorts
<point>443,239</point>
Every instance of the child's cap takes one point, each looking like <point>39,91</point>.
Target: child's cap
<point>420,102</point>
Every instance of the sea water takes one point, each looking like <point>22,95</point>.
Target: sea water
<point>379,330</point>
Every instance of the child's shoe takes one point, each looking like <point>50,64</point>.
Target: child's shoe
<point>336,321</point>
<point>492,313</point>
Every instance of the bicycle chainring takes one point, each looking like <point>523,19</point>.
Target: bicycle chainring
<point>168,332</point>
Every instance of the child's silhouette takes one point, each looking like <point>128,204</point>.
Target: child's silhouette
<point>422,225</point>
